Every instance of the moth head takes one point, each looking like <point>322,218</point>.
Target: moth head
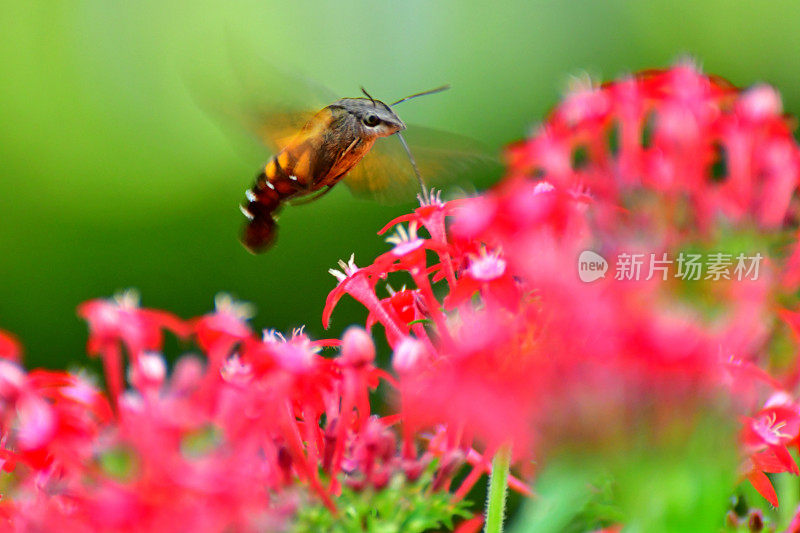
<point>372,117</point>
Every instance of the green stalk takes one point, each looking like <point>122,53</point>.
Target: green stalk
<point>498,488</point>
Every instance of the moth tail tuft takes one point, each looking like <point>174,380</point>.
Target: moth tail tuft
<point>259,234</point>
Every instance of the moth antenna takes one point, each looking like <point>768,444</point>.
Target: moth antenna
<point>363,90</point>
<point>414,166</point>
<point>432,91</point>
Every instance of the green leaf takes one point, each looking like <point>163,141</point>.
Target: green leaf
<point>400,507</point>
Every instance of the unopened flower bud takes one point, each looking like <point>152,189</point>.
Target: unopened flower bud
<point>409,356</point>
<point>149,371</point>
<point>357,347</point>
<point>759,103</point>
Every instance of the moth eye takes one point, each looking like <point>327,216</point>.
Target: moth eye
<point>371,120</point>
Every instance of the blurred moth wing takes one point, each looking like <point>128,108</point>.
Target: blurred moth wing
<point>385,174</point>
<point>303,124</point>
<point>252,98</point>
<point>275,107</point>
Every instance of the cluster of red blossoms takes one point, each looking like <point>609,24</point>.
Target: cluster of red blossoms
<point>496,339</point>
<point>235,440</point>
<point>518,350</point>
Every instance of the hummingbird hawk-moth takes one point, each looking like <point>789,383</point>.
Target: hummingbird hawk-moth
<point>354,140</point>
<point>313,160</point>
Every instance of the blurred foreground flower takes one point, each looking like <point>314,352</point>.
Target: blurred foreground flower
<point>262,434</point>
<point>659,170</point>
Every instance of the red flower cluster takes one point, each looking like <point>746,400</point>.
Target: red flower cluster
<point>518,349</point>
<point>230,443</point>
<point>695,144</point>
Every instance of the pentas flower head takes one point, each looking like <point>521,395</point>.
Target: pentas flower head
<point>405,241</point>
<point>278,369</point>
<point>296,354</point>
<point>765,440</point>
<point>430,214</point>
<point>47,419</point>
<point>218,331</point>
<point>122,320</point>
<point>408,251</point>
<point>659,162</point>
<point>486,272</point>
<point>360,284</point>
<point>350,278</point>
<point>484,374</point>
<point>702,147</point>
<point>404,304</point>
<point>208,447</point>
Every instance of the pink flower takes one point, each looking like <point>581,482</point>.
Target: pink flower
<point>121,320</point>
<point>691,124</point>
<point>655,161</point>
<point>227,325</point>
<point>487,273</point>
<point>360,284</point>
<point>206,448</point>
<point>766,438</point>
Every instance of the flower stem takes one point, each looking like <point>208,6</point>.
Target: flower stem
<point>498,487</point>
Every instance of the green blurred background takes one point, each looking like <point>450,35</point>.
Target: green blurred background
<point>112,177</point>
